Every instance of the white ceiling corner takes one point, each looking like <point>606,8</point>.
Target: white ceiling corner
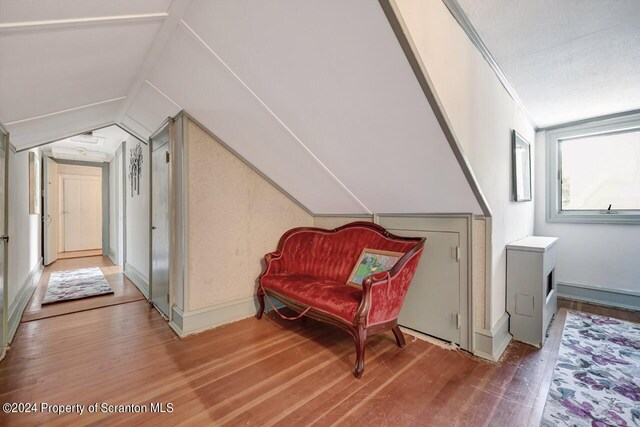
<point>63,125</point>
<point>568,60</point>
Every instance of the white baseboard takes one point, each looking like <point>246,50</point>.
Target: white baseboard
<point>492,344</point>
<point>138,279</point>
<point>112,256</point>
<point>197,321</point>
<point>22,299</point>
<point>194,322</point>
<point>621,298</point>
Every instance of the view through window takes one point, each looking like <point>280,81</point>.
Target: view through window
<point>601,171</point>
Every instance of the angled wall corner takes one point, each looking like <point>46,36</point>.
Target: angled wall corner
<point>477,115</point>
<point>413,55</point>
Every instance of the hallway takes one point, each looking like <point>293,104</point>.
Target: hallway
<point>124,290</point>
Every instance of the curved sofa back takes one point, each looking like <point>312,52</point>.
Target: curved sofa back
<point>332,254</point>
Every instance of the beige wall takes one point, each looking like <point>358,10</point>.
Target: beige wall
<point>234,217</point>
<point>331,222</point>
<point>482,115</point>
<point>479,272</point>
<point>80,170</point>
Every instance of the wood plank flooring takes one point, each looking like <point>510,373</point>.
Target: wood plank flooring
<point>123,289</point>
<point>80,254</point>
<point>267,372</point>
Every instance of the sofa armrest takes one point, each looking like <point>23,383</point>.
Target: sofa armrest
<point>273,263</point>
<point>383,293</point>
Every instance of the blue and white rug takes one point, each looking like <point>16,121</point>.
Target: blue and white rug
<point>596,381</point>
<point>76,284</point>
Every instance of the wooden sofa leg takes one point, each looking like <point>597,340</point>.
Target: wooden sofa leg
<point>399,336</point>
<point>360,339</point>
<point>260,296</point>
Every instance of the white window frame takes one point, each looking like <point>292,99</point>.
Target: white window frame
<point>554,194</point>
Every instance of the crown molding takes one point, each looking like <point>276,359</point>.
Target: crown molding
<point>463,20</point>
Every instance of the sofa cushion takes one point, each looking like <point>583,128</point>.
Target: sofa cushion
<point>323,253</point>
<point>326,295</point>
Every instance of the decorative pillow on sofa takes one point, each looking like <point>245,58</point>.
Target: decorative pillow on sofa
<point>372,261</point>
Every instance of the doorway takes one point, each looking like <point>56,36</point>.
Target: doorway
<point>4,240</point>
<point>81,211</point>
<point>83,225</point>
<point>160,242</point>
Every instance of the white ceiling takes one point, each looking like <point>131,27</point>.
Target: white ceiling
<point>317,95</point>
<point>566,59</point>
<point>109,139</point>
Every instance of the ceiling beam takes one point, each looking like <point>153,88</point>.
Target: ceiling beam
<point>15,122</point>
<point>80,21</point>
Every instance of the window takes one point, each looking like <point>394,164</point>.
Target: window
<point>594,172</point>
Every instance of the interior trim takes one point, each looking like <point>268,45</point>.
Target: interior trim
<point>621,298</point>
<point>406,43</point>
<point>176,11</point>
<point>22,299</point>
<point>163,94</point>
<point>196,321</point>
<point>491,344</point>
<point>606,117</point>
<point>74,133</point>
<point>463,20</point>
<point>137,279</point>
<point>104,166</point>
<point>249,164</point>
<point>80,107</point>
<point>80,21</point>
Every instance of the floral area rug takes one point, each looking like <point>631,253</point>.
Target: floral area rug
<point>596,381</point>
<point>76,284</point>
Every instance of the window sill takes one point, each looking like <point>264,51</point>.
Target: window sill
<point>594,218</point>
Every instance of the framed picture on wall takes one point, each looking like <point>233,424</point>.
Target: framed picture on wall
<point>34,184</point>
<point>372,261</point>
<point>521,162</point>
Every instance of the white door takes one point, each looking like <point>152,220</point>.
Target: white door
<point>4,166</point>
<point>82,209</point>
<point>436,303</point>
<point>433,301</point>
<point>51,210</point>
<point>160,220</point>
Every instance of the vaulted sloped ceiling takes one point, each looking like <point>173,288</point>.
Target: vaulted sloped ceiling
<point>317,95</point>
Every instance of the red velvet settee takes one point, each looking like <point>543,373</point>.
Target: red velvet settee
<point>309,271</point>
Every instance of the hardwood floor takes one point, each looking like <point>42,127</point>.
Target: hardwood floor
<point>79,254</point>
<point>267,372</point>
<point>123,289</point>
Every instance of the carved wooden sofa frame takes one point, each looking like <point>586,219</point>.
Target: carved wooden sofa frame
<point>373,288</point>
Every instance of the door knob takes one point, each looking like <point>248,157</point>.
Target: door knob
<point>153,228</point>
<point>4,239</point>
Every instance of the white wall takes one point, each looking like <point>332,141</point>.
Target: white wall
<point>603,255</point>
<point>113,222</point>
<point>120,194</point>
<point>137,211</point>
<point>24,229</point>
<point>482,115</point>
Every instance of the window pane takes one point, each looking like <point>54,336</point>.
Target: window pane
<point>599,171</point>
